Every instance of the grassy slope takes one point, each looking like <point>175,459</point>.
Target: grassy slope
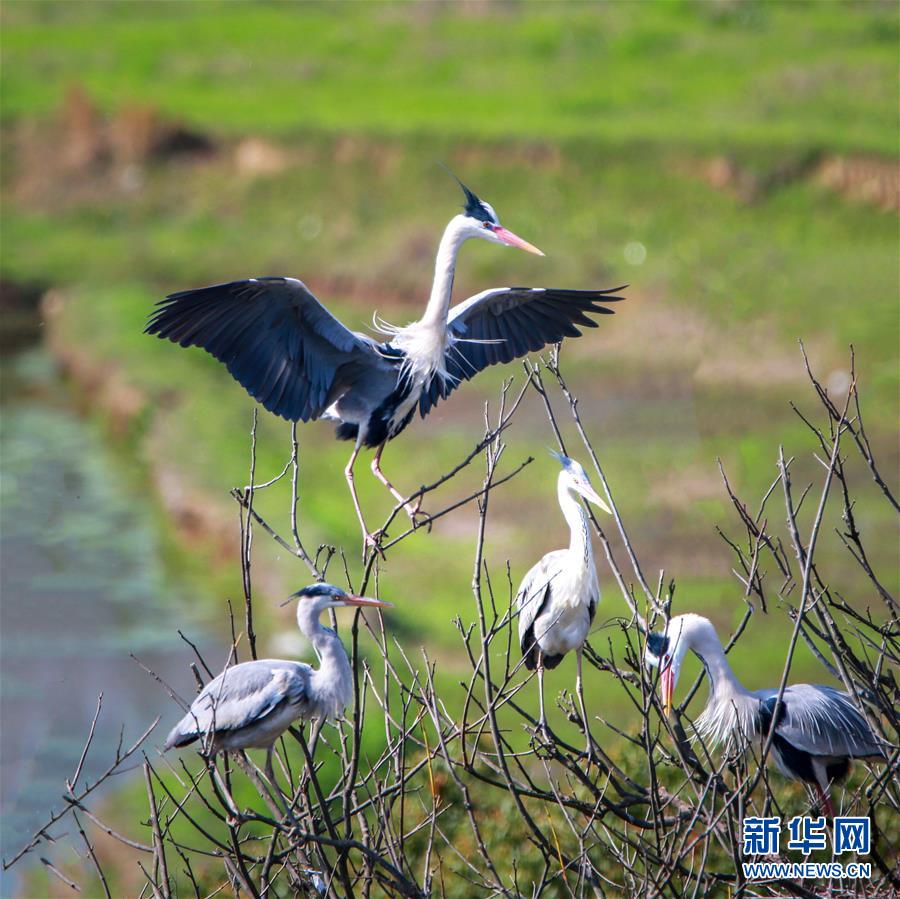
<point>757,74</point>
<point>699,363</point>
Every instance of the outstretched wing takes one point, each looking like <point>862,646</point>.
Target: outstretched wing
<point>241,696</point>
<point>505,323</point>
<point>821,721</point>
<point>273,335</point>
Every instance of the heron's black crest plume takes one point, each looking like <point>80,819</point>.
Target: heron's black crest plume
<point>565,461</point>
<point>475,207</point>
<point>657,645</point>
<point>317,589</point>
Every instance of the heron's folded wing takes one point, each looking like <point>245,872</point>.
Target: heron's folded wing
<point>241,696</point>
<point>273,335</point>
<point>533,593</point>
<point>505,323</point>
<point>822,721</point>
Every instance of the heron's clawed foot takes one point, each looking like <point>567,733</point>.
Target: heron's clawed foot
<point>418,517</point>
<point>542,737</point>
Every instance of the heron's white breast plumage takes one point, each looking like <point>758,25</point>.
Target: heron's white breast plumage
<point>425,347</point>
<point>564,623</point>
<point>330,695</point>
<point>731,718</point>
<point>579,582</point>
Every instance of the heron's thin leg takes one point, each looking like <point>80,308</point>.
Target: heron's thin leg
<point>824,800</point>
<point>269,770</point>
<point>579,689</point>
<point>314,734</point>
<point>411,509</point>
<point>267,785</point>
<point>278,794</point>
<point>540,671</point>
<point>368,539</point>
<point>226,794</point>
<point>376,470</point>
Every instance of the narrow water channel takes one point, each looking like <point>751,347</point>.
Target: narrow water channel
<point>83,584</point>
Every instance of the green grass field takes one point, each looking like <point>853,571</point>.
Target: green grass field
<point>591,129</point>
<point>755,74</point>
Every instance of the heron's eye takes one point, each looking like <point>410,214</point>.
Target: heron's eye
<point>487,226</point>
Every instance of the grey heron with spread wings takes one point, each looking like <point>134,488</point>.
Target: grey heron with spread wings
<point>297,360</point>
<point>558,598</point>
<point>818,729</point>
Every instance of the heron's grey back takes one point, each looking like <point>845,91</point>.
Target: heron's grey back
<point>823,721</point>
<point>240,696</point>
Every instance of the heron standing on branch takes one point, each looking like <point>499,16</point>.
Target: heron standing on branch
<point>249,706</point>
<point>558,597</point>
<point>296,359</point>
<point>818,729</point>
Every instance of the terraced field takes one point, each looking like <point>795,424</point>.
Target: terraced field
<point>734,163</point>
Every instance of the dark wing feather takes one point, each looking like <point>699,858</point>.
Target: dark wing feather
<point>240,696</point>
<point>531,599</point>
<point>274,337</point>
<point>506,323</point>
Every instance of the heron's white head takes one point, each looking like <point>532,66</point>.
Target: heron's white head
<point>667,651</point>
<point>316,598</point>
<point>573,477</point>
<point>479,220</point>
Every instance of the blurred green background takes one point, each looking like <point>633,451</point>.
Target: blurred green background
<point>734,162</point>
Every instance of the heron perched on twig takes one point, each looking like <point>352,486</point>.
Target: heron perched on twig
<point>818,729</point>
<point>557,599</point>
<point>249,706</point>
<point>296,359</point>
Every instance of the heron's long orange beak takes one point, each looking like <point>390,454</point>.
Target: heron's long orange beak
<point>514,240</point>
<point>667,686</point>
<point>351,600</point>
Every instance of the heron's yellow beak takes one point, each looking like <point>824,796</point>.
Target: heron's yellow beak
<point>352,600</point>
<point>513,240</point>
<point>592,496</point>
<point>667,686</point>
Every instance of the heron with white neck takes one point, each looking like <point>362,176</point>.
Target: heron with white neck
<point>250,705</point>
<point>298,361</point>
<point>558,598</point>
<point>818,729</point>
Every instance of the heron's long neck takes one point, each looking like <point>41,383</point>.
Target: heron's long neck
<point>580,540</point>
<point>731,713</point>
<point>332,655</point>
<point>723,681</point>
<point>332,681</point>
<point>444,267</point>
